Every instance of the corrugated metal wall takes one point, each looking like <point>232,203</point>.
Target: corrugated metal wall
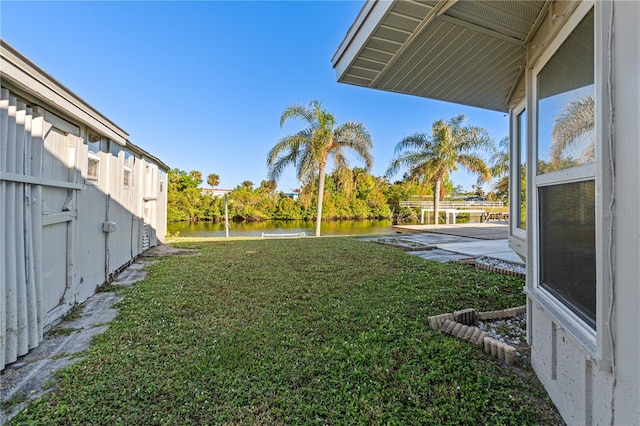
<point>20,213</point>
<point>55,249</point>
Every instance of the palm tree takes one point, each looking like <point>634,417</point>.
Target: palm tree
<point>500,158</point>
<point>268,187</point>
<point>213,180</point>
<point>196,176</point>
<point>577,119</point>
<point>500,167</point>
<point>322,140</point>
<point>433,157</point>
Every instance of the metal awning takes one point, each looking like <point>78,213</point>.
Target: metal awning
<point>466,52</point>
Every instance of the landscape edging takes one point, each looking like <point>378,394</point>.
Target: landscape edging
<point>459,324</point>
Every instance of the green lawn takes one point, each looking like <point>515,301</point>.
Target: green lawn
<point>306,331</point>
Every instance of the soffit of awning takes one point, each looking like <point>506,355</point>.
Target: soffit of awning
<point>466,52</point>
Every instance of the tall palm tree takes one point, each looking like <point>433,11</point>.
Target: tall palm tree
<point>213,180</point>
<point>500,158</point>
<point>196,176</point>
<point>310,149</point>
<point>433,157</point>
<point>500,167</point>
<point>577,119</point>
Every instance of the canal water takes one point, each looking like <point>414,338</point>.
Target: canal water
<point>255,229</point>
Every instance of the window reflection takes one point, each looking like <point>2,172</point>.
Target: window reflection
<point>566,106</point>
<point>521,188</point>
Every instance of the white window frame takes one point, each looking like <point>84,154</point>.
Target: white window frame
<point>597,340</point>
<point>514,182</point>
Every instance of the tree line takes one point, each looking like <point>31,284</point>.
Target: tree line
<point>348,194</point>
<point>345,192</point>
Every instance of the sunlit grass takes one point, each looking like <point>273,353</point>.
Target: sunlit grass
<point>303,331</point>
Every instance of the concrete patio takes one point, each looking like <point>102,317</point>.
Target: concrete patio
<point>454,242</point>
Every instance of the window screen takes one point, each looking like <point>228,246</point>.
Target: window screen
<point>93,166</point>
<point>128,164</point>
<point>94,144</point>
<point>567,245</point>
<point>127,177</point>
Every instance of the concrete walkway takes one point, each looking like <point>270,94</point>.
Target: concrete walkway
<point>28,378</point>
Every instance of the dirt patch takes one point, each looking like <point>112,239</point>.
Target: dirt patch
<point>406,245</point>
<point>169,250</point>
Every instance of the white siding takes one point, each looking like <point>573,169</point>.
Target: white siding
<point>20,274</point>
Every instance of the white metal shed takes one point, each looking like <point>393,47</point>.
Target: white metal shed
<point>78,202</point>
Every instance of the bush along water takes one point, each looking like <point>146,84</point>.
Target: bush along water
<point>349,194</point>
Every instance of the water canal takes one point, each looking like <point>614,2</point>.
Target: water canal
<point>255,229</point>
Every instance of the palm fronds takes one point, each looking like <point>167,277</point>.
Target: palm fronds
<point>576,120</point>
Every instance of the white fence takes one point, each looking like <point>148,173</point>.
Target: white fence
<point>453,208</point>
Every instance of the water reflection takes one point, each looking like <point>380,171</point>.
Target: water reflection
<point>255,229</point>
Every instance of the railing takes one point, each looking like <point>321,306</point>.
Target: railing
<point>485,208</point>
<point>458,205</point>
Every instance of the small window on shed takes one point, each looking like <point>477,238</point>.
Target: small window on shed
<point>93,167</point>
<point>94,144</point>
<point>128,170</point>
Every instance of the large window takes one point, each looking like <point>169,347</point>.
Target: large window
<point>565,173</point>
<point>567,245</point>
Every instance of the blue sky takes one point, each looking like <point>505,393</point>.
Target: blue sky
<point>201,85</point>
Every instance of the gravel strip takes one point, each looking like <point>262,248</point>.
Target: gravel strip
<point>497,263</point>
<point>511,331</point>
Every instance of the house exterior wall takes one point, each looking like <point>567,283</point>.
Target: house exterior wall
<point>65,227</point>
<point>587,359</point>
<point>596,381</point>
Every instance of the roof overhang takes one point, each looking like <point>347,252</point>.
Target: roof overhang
<point>19,71</point>
<point>467,52</point>
<point>39,87</point>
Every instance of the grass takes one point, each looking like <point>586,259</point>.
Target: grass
<point>61,331</point>
<point>306,331</point>
<point>74,313</point>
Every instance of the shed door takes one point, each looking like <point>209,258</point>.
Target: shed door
<point>58,208</point>
<point>54,263</point>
